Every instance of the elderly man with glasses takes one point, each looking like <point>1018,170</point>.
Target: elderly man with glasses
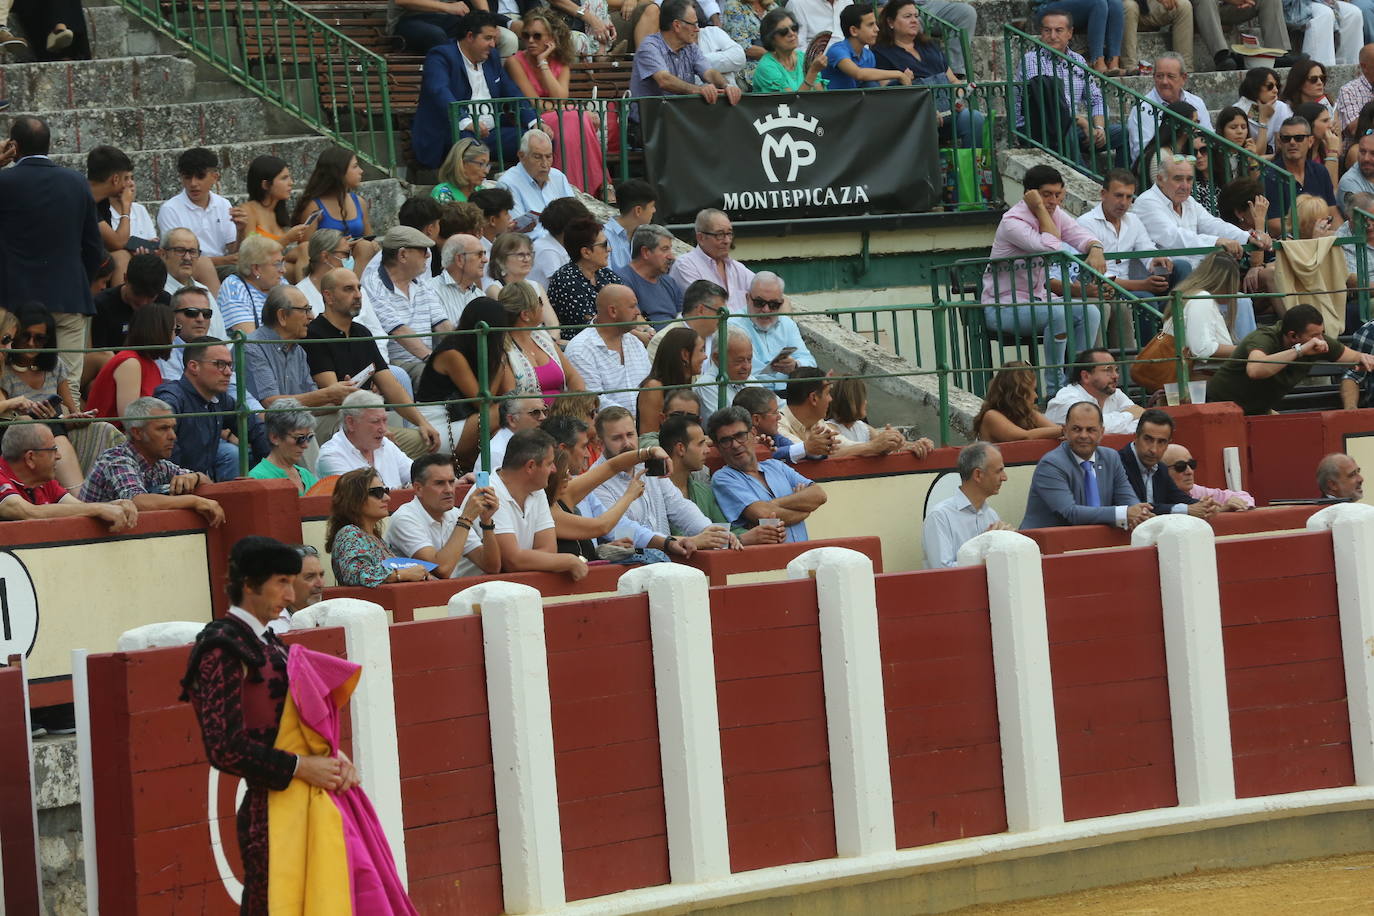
<point>670,62</point>
<point>464,260</point>
<point>29,487</point>
<point>711,260</point>
<point>777,341</point>
<point>514,416</point>
<point>277,364</point>
<point>534,183</point>
<point>1294,155</point>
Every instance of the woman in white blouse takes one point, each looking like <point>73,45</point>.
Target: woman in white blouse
<point>1259,99</point>
<point>512,256</point>
<point>1213,284</point>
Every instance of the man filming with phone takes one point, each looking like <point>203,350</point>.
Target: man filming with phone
<point>778,345</point>
<point>662,508</point>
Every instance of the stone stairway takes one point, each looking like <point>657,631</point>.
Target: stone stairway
<point>149,96</point>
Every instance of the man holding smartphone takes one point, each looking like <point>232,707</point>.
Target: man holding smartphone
<point>778,344</point>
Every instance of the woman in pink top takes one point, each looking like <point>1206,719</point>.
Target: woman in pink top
<point>1034,226</point>
<point>541,71</point>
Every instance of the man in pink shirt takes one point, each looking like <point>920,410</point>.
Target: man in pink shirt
<point>711,260</point>
<point>1037,225</point>
<point>1182,466</point>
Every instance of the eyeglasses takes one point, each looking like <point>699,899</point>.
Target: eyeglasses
<point>684,413</point>
<point>1270,85</point>
<point>538,412</point>
<point>690,22</point>
<point>535,36</point>
<point>737,439</point>
<point>305,440</point>
<point>341,254</point>
<point>767,304</point>
<point>1293,138</point>
<point>473,254</point>
<point>223,365</point>
<point>185,252</point>
<point>601,244</point>
<point>538,157</point>
<point>785,30</point>
<point>522,255</point>
<point>38,339</point>
<point>194,312</point>
<point>50,448</point>
<point>307,550</point>
<point>1179,467</point>
<point>1179,157</point>
<point>723,234</point>
<point>1316,78</point>
<point>6,340</point>
<point>379,492</point>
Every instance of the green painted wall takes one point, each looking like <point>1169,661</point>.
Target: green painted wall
<point>912,268</point>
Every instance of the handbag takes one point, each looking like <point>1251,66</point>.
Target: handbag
<point>1153,376</point>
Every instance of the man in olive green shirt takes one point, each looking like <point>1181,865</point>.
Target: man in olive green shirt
<point>686,444</point>
<point>1272,360</point>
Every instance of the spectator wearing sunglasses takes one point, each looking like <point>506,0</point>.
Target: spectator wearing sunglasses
<point>1294,143</point>
<point>353,534</point>
<point>1182,465</point>
<point>290,429</point>
<point>194,315</point>
<point>777,341</point>
<point>515,416</point>
<point>782,68</point>
<point>208,442</point>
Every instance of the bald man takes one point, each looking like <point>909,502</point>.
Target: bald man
<point>1338,477</point>
<point>607,355</point>
<point>464,260</point>
<point>331,362</point>
<point>1182,468</point>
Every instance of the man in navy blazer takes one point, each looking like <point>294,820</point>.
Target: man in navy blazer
<point>448,76</point>
<point>1061,491</point>
<point>1149,478</point>
<point>49,242</point>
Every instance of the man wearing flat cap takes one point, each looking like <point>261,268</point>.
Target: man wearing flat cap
<point>397,286</point>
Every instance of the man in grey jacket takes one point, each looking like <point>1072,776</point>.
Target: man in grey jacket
<point>1081,484</point>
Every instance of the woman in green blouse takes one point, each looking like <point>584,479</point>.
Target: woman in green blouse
<point>290,429</point>
<point>465,167</point>
<point>783,69</point>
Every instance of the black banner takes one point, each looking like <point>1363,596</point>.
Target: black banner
<point>782,156</point>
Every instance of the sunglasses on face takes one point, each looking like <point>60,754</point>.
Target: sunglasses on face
<point>1316,78</point>
<point>771,305</point>
<point>197,312</point>
<point>223,365</point>
<point>307,550</point>
<point>1293,138</point>
<point>304,440</point>
<point>785,30</point>
<point>6,340</point>
<point>379,492</point>
<point>1180,466</point>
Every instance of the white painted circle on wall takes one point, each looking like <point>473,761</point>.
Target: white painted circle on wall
<point>945,486</point>
<point>18,607</point>
<point>228,880</point>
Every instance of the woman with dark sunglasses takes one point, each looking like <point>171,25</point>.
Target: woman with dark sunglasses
<point>290,429</point>
<point>353,534</point>
<point>782,68</point>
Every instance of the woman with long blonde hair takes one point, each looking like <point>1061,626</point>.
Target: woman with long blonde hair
<point>1010,412</point>
<point>1213,283</point>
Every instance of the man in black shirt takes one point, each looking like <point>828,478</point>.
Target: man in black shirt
<point>338,355</point>
<point>114,308</point>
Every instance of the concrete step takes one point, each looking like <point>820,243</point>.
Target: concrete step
<point>989,55</point>
<point>156,174</point>
<point>108,28</point>
<point>1081,193</point>
<point>159,80</point>
<point>152,127</point>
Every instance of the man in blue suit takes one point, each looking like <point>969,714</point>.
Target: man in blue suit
<point>49,242</point>
<point>463,71</point>
<point>1149,478</point>
<point>1081,484</point>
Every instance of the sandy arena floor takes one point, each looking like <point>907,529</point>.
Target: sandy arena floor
<point>1316,887</point>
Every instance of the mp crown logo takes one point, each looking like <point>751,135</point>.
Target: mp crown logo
<point>786,146</point>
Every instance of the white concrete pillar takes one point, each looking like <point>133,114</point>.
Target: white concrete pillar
<point>372,706</point>
<point>1021,663</point>
<point>521,742</point>
<point>688,718</point>
<point>1352,539</point>
<point>1195,658</point>
<point>855,712</point>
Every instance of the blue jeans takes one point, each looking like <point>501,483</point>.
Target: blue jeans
<point>1103,22</point>
<point>422,31</point>
<point>1052,320</point>
<point>968,126</point>
<point>226,461</point>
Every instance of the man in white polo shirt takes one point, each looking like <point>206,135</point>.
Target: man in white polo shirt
<point>200,209</point>
<point>362,442</point>
<point>524,524</point>
<point>462,542</point>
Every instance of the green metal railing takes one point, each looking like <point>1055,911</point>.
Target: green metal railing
<point>293,59</point>
<point>1127,115</point>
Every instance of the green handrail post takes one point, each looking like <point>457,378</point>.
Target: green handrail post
<point>483,392</point>
<point>241,394</point>
<point>942,370</point>
<point>1180,347</point>
<point>722,343</point>
<point>1360,227</point>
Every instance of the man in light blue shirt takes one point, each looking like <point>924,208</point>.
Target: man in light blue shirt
<point>777,341</point>
<point>534,183</point>
<point>966,514</point>
<point>752,492</point>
